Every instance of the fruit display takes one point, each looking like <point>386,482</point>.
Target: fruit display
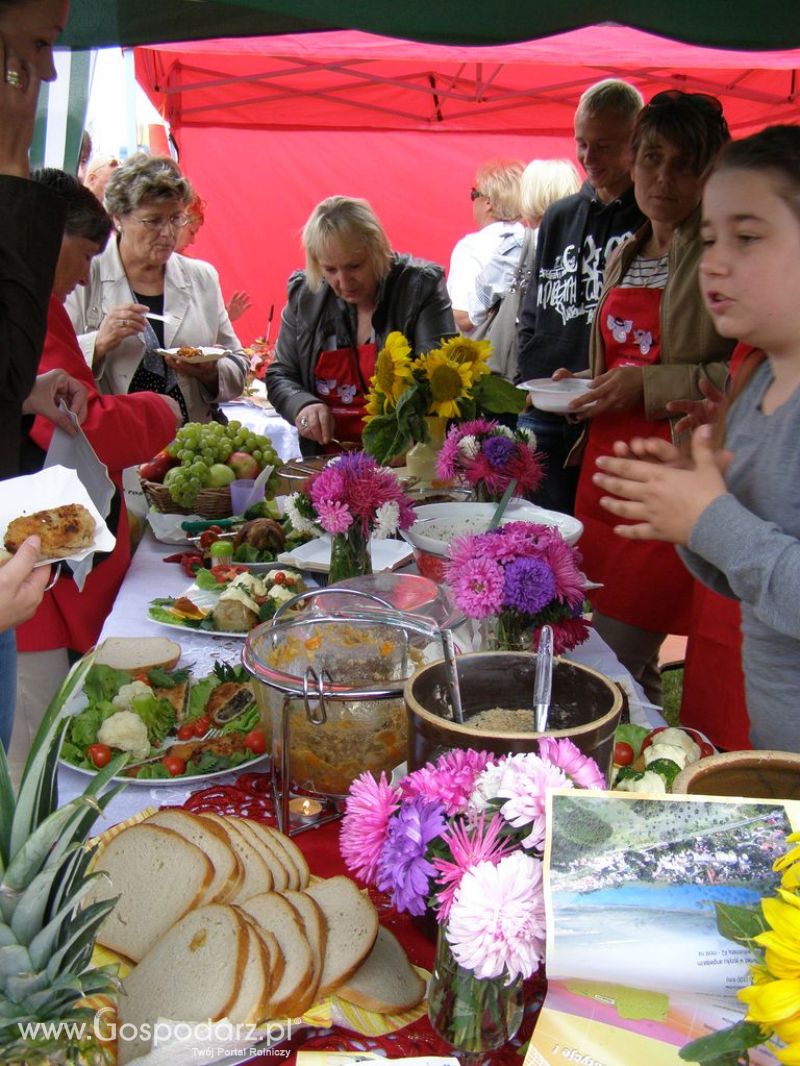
<point>210,456</point>
<point>649,760</point>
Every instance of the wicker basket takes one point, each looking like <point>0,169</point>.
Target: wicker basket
<point>210,503</point>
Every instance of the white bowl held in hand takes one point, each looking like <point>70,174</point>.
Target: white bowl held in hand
<point>556,396</point>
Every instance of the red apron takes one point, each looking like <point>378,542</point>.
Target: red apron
<point>341,381</point>
<point>645,583</point>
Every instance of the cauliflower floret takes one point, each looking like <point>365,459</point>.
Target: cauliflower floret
<point>128,693</point>
<point>251,584</point>
<point>127,732</point>
<point>666,751</point>
<point>648,782</point>
<point>680,739</point>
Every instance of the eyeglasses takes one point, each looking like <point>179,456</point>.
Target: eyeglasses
<point>475,194</point>
<point>157,224</point>
<point>675,96</point>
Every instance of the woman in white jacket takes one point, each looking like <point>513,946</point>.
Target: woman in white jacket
<point>140,275</point>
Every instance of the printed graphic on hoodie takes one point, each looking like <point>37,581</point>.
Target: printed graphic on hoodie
<point>558,284</point>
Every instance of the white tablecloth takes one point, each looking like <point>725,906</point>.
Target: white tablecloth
<point>267,421</point>
<point>150,577</point>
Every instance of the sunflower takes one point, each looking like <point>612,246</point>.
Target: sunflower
<point>449,382</point>
<point>393,368</point>
<point>374,404</point>
<point>472,354</point>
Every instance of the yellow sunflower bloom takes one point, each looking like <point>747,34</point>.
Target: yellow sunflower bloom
<point>783,916</point>
<point>470,353</point>
<point>789,1031</point>
<point>771,1003</point>
<point>784,861</point>
<point>393,368</point>
<point>789,1056</point>
<point>373,406</point>
<point>449,382</point>
<point>782,958</point>
<point>792,898</point>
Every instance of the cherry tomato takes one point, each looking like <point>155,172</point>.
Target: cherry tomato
<point>200,726</point>
<point>209,536</point>
<point>224,573</point>
<point>279,578</point>
<point>255,741</point>
<point>175,764</point>
<point>623,753</point>
<point>186,731</point>
<point>100,754</point>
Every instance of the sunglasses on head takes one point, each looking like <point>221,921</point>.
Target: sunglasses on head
<point>475,194</point>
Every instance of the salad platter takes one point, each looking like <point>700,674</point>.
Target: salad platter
<point>172,726</point>
<point>228,601</point>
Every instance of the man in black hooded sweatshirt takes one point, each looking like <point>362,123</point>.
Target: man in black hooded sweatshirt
<point>576,237</point>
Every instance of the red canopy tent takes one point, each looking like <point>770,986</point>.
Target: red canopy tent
<point>266,127</point>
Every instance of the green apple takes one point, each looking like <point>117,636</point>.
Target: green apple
<point>219,476</point>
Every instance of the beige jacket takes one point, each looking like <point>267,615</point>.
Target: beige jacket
<point>690,346</point>
<point>197,316</point>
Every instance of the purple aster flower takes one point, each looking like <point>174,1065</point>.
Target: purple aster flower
<point>499,450</point>
<point>403,869</point>
<point>529,585</point>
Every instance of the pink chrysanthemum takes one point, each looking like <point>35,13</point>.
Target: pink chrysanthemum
<point>524,784</point>
<point>477,587</point>
<point>368,808</point>
<point>357,483</point>
<point>334,517</point>
<point>570,582</point>
<point>469,845</point>
<point>561,752</point>
<point>497,921</point>
<point>450,779</point>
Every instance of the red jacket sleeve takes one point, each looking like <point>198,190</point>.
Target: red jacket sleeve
<point>123,430</point>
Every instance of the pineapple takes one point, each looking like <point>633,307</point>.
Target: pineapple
<point>46,934</point>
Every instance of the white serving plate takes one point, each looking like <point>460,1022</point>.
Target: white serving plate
<point>556,396</point>
<point>438,523</point>
<point>173,782</point>
<point>315,555</point>
<point>209,355</point>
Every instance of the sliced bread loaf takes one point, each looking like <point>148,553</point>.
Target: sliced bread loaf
<point>316,930</point>
<point>257,875</point>
<point>193,974</point>
<point>158,876</point>
<point>352,928</point>
<point>386,982</point>
<point>273,914</point>
<point>213,842</point>
<point>294,853</point>
<point>252,999</point>
<point>269,853</point>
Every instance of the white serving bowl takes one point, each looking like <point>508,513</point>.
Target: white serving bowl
<point>438,523</point>
<point>556,396</point>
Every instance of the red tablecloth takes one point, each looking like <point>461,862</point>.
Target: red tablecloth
<point>251,798</point>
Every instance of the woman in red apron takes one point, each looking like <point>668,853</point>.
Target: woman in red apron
<point>353,293</point>
<point>652,341</point>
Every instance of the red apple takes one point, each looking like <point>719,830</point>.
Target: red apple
<point>243,464</point>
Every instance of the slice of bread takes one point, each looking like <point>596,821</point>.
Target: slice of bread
<point>192,974</point>
<point>284,872</point>
<point>158,876</point>
<point>252,998</point>
<point>316,929</point>
<point>213,842</point>
<point>257,875</point>
<point>386,982</point>
<point>137,654</point>
<point>294,853</point>
<point>273,914</point>
<point>352,929</point>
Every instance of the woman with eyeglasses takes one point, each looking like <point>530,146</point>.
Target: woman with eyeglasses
<point>653,341</point>
<point>141,298</point>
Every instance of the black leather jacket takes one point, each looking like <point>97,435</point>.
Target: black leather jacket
<point>412,298</point>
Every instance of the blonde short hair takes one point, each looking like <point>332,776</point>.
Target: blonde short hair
<point>611,94</point>
<point>144,178</point>
<point>498,180</point>
<point>543,182</point>
<point>350,222</point>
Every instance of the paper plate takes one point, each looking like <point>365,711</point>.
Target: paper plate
<point>208,355</point>
<point>315,555</point>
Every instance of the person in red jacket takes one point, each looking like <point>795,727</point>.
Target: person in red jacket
<point>123,430</point>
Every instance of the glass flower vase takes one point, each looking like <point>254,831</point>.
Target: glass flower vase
<point>474,1014</point>
<point>350,554</point>
<point>505,632</point>
<point>421,457</point>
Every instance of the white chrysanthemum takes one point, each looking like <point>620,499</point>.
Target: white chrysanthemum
<point>469,446</point>
<point>387,518</point>
<point>506,432</point>
<point>496,924</point>
<point>299,521</point>
<point>485,788</point>
<point>531,437</point>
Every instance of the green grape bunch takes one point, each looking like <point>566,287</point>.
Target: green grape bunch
<point>202,448</point>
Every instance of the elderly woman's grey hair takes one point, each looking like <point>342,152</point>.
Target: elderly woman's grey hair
<point>146,179</point>
<point>349,224</point>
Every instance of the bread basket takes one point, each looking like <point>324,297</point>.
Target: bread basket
<point>210,503</point>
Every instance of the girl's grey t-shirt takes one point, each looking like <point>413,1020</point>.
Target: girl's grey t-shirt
<point>746,544</point>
